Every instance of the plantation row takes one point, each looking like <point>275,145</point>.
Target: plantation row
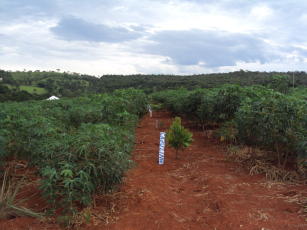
<point>79,145</point>
<point>255,116</point>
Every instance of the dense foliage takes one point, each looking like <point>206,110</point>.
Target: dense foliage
<point>276,122</point>
<point>25,85</point>
<point>79,145</point>
<point>253,115</point>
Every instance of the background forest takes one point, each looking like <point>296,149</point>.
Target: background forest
<point>26,85</point>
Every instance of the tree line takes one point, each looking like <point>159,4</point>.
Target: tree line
<point>67,84</point>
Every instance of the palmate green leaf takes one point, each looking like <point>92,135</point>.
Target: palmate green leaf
<point>68,185</point>
<point>49,172</point>
<point>67,173</point>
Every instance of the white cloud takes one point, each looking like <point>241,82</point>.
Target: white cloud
<point>128,29</point>
<point>261,12</point>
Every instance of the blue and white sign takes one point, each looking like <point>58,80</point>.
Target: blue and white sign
<point>161,148</point>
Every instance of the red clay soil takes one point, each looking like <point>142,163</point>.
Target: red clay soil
<point>201,190</point>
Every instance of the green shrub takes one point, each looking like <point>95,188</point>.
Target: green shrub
<point>253,115</point>
<point>228,132</point>
<point>227,102</point>
<point>276,122</point>
<point>173,100</point>
<point>79,145</point>
<point>280,83</point>
<point>75,166</point>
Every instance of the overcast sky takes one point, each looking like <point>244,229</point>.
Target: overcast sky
<point>153,36</point>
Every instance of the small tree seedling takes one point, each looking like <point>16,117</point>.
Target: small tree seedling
<point>178,137</point>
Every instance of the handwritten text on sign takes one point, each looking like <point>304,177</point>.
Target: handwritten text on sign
<point>161,148</point>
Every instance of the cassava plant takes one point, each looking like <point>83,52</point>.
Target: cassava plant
<point>78,145</point>
<point>178,137</point>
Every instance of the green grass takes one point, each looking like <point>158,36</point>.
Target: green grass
<point>30,89</point>
<point>33,89</point>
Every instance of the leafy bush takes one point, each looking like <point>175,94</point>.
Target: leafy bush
<point>138,97</point>
<point>206,109</point>
<point>228,132</point>
<point>75,166</point>
<point>276,122</point>
<point>173,100</point>
<point>253,115</point>
<point>79,145</point>
<point>280,83</point>
<point>227,102</point>
<point>203,105</point>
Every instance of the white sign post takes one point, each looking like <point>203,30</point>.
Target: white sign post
<point>161,148</point>
<point>149,110</point>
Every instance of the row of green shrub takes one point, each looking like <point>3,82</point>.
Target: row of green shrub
<point>255,115</point>
<point>79,145</point>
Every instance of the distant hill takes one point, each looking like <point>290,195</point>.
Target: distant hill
<point>25,85</point>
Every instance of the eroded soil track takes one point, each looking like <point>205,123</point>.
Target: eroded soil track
<point>199,191</point>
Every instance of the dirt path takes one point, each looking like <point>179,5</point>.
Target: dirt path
<point>200,190</point>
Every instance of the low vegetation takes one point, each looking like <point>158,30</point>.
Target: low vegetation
<point>81,145</point>
<point>78,145</point>
<point>263,117</point>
